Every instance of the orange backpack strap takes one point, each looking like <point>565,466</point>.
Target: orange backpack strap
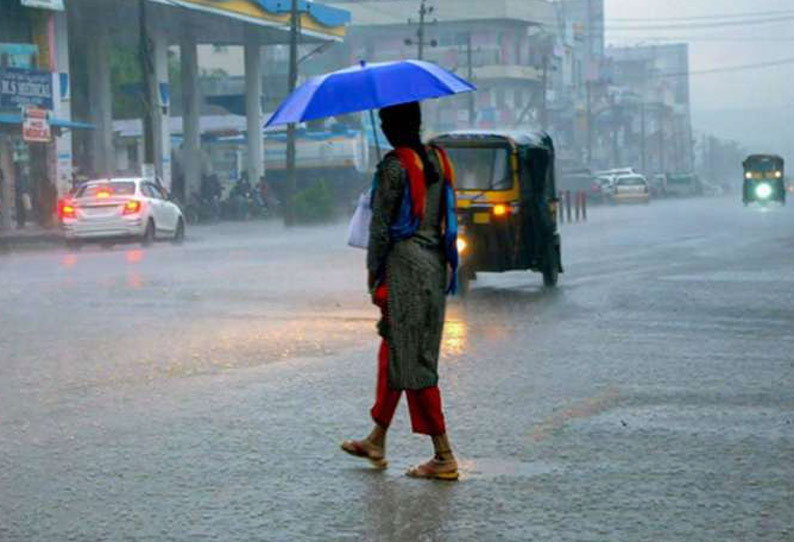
<point>412,163</point>
<point>448,171</point>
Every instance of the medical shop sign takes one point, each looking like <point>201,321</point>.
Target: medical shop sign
<point>36,125</point>
<point>20,88</point>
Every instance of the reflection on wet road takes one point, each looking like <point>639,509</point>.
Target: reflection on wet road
<point>200,392</point>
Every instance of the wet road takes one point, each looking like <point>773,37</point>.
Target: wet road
<point>200,392</point>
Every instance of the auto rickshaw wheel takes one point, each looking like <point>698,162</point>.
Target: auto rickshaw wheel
<point>551,267</point>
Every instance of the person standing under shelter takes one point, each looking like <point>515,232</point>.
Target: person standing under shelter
<point>412,247</point>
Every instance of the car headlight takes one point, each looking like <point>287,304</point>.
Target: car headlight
<point>763,191</point>
<point>748,175</point>
<point>462,245</point>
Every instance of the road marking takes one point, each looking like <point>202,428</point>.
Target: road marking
<point>585,408</point>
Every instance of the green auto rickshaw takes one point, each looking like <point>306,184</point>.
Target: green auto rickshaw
<point>764,179</point>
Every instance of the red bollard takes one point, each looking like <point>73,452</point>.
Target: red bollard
<point>568,206</point>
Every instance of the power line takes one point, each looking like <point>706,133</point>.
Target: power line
<point>704,17</point>
<point>727,69</point>
<point>743,22</point>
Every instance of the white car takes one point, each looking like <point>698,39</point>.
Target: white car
<point>630,188</point>
<point>121,208</point>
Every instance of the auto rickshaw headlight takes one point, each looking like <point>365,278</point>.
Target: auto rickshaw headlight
<point>462,245</point>
<point>500,210</point>
<point>763,191</point>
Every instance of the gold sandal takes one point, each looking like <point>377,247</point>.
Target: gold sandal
<point>435,469</point>
<point>362,448</point>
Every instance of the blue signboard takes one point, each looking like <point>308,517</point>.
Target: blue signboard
<point>19,87</point>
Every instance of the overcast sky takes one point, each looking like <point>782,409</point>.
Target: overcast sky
<point>734,45</point>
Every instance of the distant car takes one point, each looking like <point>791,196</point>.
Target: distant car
<point>121,208</point>
<point>630,189</point>
<point>615,172</point>
<point>603,187</point>
<point>683,185</point>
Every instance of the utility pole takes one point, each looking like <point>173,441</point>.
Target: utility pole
<point>470,75</point>
<point>661,139</point>
<point>149,91</point>
<point>544,108</point>
<point>424,11</point>
<point>642,137</point>
<point>291,183</point>
<point>588,86</point>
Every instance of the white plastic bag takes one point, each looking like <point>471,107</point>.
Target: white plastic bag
<point>358,230</point>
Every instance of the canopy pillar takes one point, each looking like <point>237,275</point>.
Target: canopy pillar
<point>191,112</point>
<point>253,107</point>
<point>161,102</point>
<point>100,98</point>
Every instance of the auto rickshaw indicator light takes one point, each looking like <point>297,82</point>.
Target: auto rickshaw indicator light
<point>500,210</point>
<point>778,174</point>
<point>748,175</point>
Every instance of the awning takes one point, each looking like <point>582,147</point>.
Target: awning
<point>54,122</point>
<point>316,19</point>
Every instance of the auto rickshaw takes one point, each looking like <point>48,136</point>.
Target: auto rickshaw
<point>507,203</point>
<point>764,179</point>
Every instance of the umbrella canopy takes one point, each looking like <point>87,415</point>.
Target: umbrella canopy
<point>368,86</point>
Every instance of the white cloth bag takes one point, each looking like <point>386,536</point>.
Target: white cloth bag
<point>358,230</point>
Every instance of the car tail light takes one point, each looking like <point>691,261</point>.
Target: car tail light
<point>68,211</point>
<point>131,207</point>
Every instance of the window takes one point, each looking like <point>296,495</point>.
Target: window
<point>108,189</point>
<point>152,191</point>
<point>500,98</point>
<point>481,168</point>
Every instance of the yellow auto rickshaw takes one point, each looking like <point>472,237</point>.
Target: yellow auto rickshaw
<point>507,203</point>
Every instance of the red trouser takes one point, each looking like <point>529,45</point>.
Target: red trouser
<point>424,405</point>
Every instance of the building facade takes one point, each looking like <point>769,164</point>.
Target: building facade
<point>35,157</point>
<point>650,107</point>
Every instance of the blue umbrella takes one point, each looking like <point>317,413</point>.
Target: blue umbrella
<point>366,87</point>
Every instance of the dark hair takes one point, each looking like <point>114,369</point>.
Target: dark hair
<point>401,125</point>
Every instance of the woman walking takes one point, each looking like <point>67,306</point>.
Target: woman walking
<point>411,250</point>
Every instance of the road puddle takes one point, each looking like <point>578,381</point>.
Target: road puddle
<point>487,468</point>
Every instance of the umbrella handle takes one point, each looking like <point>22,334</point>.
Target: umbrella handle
<point>374,133</point>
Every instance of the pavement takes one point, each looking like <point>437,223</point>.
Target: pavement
<point>200,392</point>
<point>31,236</point>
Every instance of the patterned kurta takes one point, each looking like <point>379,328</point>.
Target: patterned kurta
<point>416,274</point>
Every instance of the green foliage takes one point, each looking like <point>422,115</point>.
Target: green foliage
<point>313,204</point>
<point>127,80</point>
<point>125,73</point>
